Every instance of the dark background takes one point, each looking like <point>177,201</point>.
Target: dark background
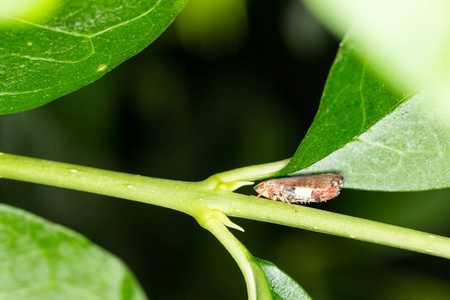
<point>192,105</point>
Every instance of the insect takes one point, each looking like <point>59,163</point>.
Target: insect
<point>303,189</point>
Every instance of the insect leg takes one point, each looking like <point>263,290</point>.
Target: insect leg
<point>288,201</point>
<point>259,194</point>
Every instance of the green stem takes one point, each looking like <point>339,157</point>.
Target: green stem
<point>210,221</point>
<point>190,198</point>
<point>121,185</point>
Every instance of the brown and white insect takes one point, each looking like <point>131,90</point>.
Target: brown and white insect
<point>303,189</point>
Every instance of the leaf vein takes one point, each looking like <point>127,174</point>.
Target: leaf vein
<point>47,27</point>
<point>46,89</point>
<point>361,94</point>
<point>49,59</point>
<point>127,21</point>
<point>400,152</point>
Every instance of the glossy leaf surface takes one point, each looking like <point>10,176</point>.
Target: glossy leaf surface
<point>408,150</point>
<point>376,137</point>
<point>77,43</point>
<point>42,260</point>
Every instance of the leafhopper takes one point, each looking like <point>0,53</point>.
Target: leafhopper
<point>302,189</point>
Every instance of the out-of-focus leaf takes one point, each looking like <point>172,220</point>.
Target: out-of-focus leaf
<point>29,8</point>
<point>407,38</point>
<point>281,285</point>
<point>41,260</point>
<point>212,29</point>
<point>377,138</point>
<point>41,60</point>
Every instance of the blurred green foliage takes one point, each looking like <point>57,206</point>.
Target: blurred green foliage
<point>407,38</point>
<point>42,260</point>
<point>33,9</point>
<point>213,29</point>
<point>166,113</point>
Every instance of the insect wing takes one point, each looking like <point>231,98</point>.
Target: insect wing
<point>310,188</point>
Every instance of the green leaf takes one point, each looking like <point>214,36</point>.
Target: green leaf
<point>281,285</point>
<point>377,138</point>
<point>408,150</point>
<point>43,59</point>
<point>42,260</point>
<point>407,38</point>
<point>353,100</point>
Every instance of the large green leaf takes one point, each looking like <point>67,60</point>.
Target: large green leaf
<point>43,59</point>
<point>408,150</point>
<point>376,137</point>
<point>41,260</point>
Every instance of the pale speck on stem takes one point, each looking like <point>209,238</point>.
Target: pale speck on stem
<point>29,43</point>
<point>74,171</point>
<point>130,186</point>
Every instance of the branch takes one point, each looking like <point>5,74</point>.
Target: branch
<point>191,197</point>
